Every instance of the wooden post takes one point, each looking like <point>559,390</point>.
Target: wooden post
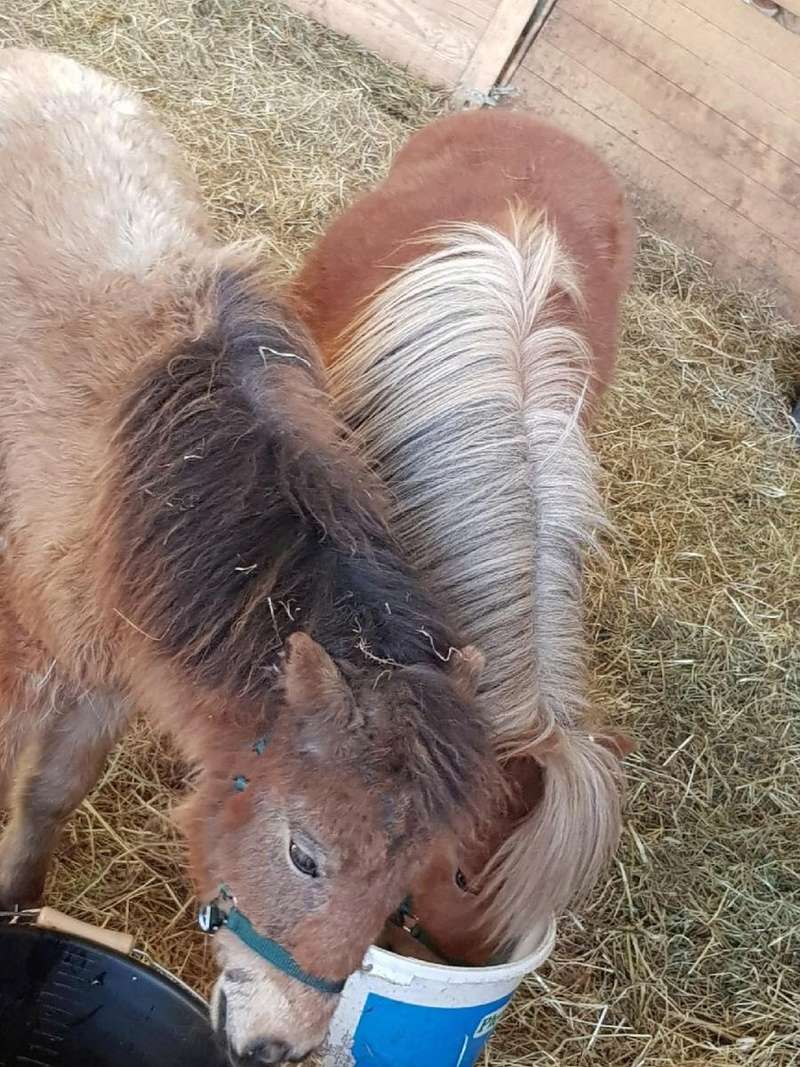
<point>541,13</point>
<point>492,51</point>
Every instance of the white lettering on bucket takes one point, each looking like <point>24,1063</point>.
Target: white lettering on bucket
<point>488,1023</point>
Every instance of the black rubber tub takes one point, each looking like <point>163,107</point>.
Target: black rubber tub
<point>65,1002</point>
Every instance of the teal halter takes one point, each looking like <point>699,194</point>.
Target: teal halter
<point>222,912</point>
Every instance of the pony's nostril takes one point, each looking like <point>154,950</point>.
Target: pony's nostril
<point>263,1053</point>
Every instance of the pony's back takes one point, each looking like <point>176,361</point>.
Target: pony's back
<point>102,241</point>
<point>469,307</point>
<point>472,167</point>
<point>89,181</point>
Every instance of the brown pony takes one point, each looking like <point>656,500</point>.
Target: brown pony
<point>186,530</point>
<point>468,306</point>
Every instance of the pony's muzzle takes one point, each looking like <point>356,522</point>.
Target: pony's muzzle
<point>262,1017</point>
<point>262,1052</point>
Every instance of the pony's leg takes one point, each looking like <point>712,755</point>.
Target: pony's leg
<point>57,768</point>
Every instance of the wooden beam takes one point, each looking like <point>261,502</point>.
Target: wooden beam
<point>541,12</point>
<point>492,52</point>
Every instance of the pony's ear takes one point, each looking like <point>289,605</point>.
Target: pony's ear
<point>616,742</point>
<point>525,778</point>
<point>310,677</point>
<point>465,668</point>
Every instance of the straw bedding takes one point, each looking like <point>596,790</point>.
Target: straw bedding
<point>690,953</point>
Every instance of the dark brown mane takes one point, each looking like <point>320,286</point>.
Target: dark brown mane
<point>243,515</point>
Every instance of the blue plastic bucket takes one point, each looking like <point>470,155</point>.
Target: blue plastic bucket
<point>403,1012</point>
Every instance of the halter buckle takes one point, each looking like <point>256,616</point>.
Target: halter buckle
<point>405,918</point>
<point>213,916</point>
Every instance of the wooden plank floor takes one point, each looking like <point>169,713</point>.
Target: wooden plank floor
<point>696,103</point>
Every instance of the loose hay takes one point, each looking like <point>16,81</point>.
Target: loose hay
<point>690,953</point>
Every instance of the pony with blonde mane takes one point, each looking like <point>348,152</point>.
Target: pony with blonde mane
<point>468,310</point>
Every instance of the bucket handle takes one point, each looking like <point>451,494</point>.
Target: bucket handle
<point>50,919</point>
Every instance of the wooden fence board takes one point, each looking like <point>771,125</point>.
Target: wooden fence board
<point>427,40</point>
<point>771,83</point>
<point>714,89</point>
<point>748,26</point>
<point>496,44</point>
<point>668,152</point>
<point>737,167</point>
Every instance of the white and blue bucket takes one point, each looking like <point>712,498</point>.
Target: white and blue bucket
<point>402,1012</point>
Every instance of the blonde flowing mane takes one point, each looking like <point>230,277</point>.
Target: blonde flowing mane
<point>465,378</point>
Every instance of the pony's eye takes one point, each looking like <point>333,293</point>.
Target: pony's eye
<point>303,862</point>
<point>461,881</point>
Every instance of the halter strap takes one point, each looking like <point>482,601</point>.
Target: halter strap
<point>222,912</point>
<point>405,918</point>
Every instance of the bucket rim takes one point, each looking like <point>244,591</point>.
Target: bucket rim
<point>137,960</point>
<point>384,963</point>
